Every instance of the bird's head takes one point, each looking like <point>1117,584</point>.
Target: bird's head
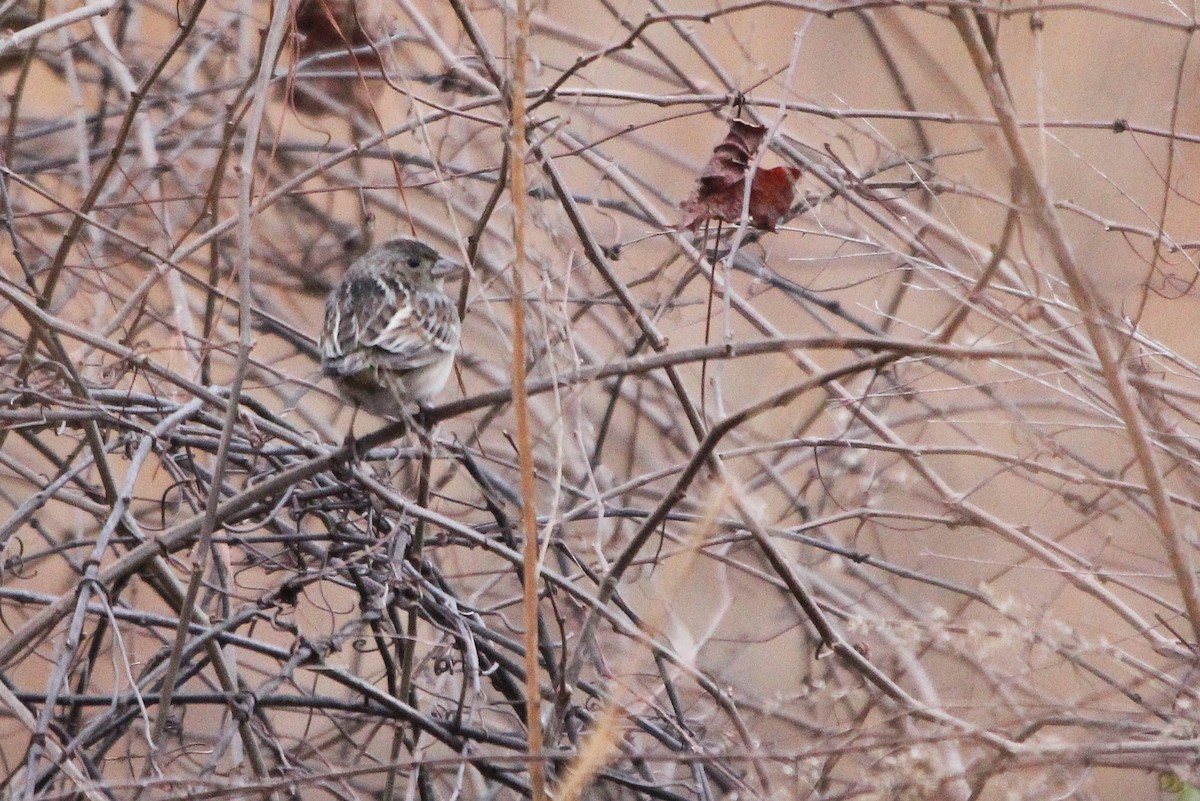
<point>413,261</point>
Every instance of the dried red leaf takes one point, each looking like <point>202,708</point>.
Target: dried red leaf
<point>721,188</point>
<point>771,195</point>
<point>328,24</point>
<point>325,25</point>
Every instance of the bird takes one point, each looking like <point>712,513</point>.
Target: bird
<point>391,332</point>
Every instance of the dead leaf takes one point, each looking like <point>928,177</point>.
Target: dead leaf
<point>337,25</point>
<point>721,187</point>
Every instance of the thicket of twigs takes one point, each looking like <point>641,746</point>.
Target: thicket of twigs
<point>894,501</point>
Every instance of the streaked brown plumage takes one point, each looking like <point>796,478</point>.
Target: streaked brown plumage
<point>391,331</point>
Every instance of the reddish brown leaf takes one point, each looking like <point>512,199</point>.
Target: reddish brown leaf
<point>771,196</point>
<point>332,25</point>
<point>721,186</point>
<point>329,24</point>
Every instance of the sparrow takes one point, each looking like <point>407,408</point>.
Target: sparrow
<point>391,331</point>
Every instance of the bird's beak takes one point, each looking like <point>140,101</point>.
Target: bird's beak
<point>445,267</point>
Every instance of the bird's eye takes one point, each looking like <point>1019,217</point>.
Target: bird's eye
<point>414,262</point>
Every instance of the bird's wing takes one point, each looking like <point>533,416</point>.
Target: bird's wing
<point>422,334</point>
<point>371,321</point>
